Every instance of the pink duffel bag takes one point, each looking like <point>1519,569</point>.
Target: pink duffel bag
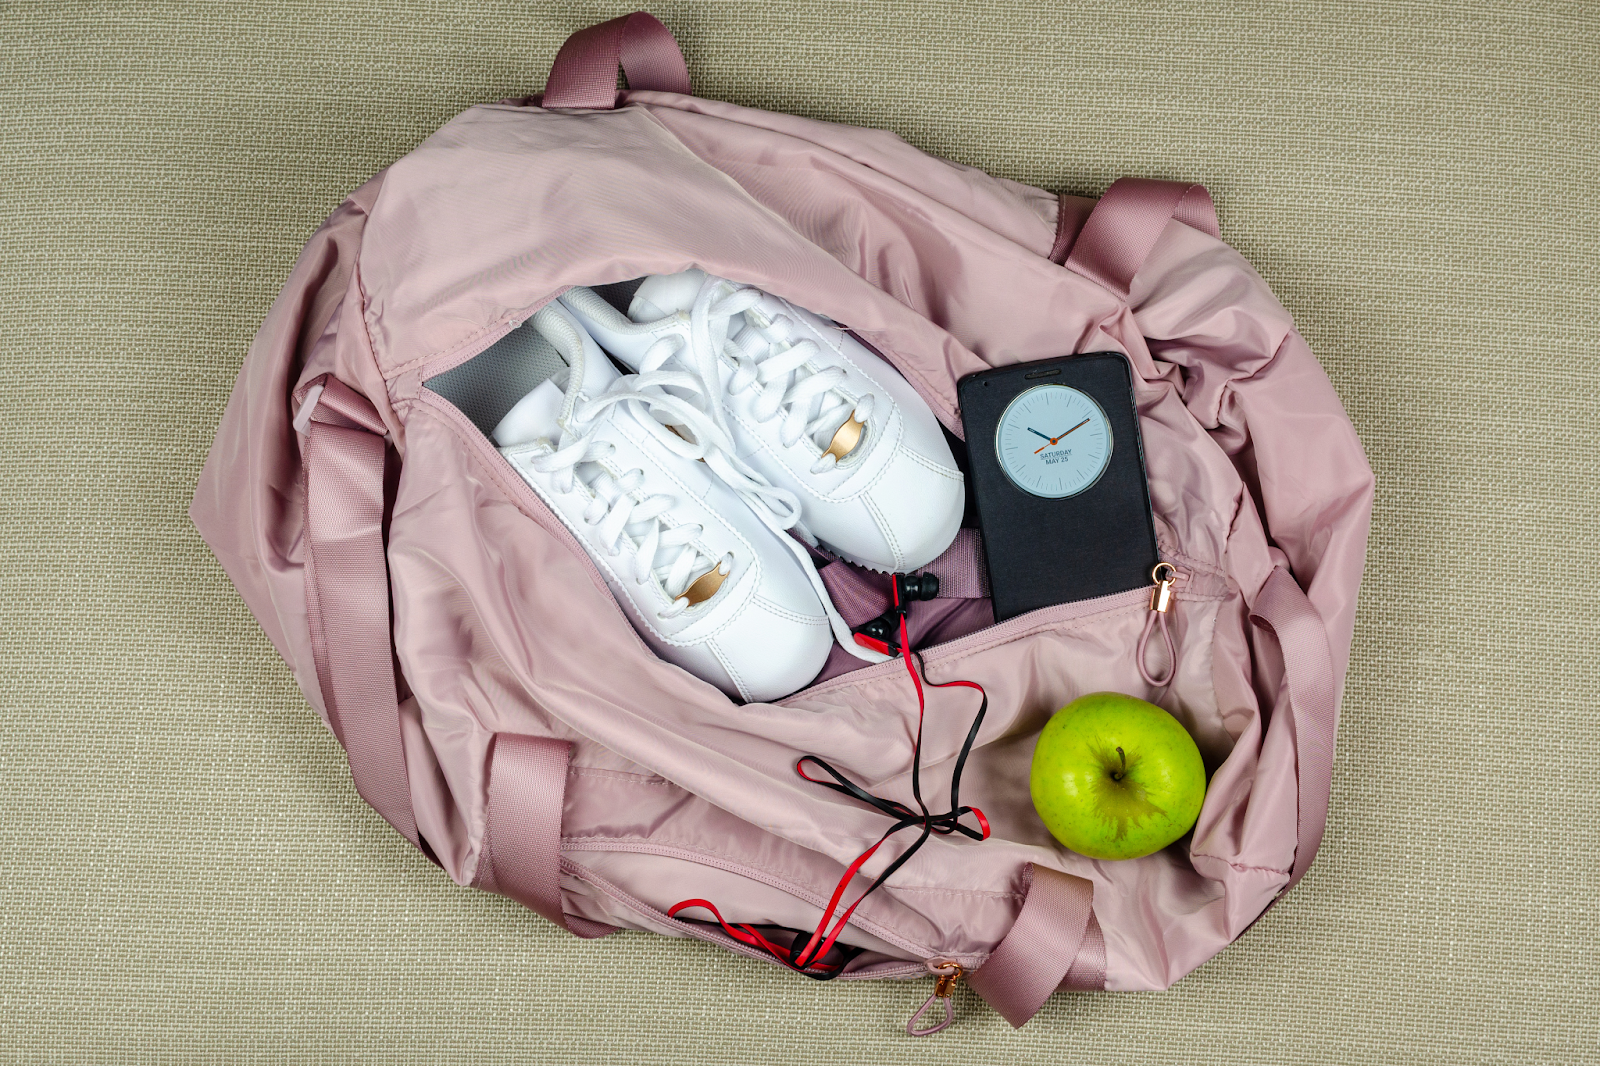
<point>500,712</point>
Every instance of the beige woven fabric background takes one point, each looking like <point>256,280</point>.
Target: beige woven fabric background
<point>189,875</point>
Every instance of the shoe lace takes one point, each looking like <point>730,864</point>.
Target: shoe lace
<point>765,357</point>
<point>624,519</point>
<point>627,521</point>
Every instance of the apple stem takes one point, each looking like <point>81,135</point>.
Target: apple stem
<point>1115,776</point>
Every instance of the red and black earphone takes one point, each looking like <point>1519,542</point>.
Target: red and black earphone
<point>814,955</point>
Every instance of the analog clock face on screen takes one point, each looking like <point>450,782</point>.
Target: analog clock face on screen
<point>1053,441</point>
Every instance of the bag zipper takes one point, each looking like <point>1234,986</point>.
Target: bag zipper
<point>1000,633</point>
<point>698,931</point>
<point>1004,632</point>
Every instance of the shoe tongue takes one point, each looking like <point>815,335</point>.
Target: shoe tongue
<point>536,414</point>
<point>598,370</point>
<point>661,295</point>
<point>533,417</point>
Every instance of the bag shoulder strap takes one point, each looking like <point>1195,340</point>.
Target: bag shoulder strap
<point>1283,607</point>
<point>347,597</point>
<point>1055,935</point>
<point>521,852</point>
<point>347,592</point>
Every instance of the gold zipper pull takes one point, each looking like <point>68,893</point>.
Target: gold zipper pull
<point>948,973</point>
<point>1161,599</point>
<point>1161,595</point>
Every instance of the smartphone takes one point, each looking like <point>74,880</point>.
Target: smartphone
<point>1056,471</point>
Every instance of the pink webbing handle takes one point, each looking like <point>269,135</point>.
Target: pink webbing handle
<point>1283,607</point>
<point>1055,937</point>
<point>521,856</point>
<point>347,595</point>
<point>585,71</point>
<point>1124,226</point>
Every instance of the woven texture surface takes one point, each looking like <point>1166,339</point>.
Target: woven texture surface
<point>189,874</point>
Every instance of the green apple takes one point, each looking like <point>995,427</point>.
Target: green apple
<point>1115,777</point>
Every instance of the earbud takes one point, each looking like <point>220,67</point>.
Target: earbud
<point>883,632</point>
<point>885,628</point>
<point>917,586</point>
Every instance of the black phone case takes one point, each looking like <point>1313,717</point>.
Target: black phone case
<point>1044,552</point>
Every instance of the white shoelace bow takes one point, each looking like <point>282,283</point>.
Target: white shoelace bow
<point>763,358</point>
<point>622,517</point>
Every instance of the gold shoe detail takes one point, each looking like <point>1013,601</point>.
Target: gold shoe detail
<point>705,586</point>
<point>845,439</point>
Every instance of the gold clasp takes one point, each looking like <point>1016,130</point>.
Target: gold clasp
<point>948,973</point>
<point>1161,595</point>
<point>945,986</point>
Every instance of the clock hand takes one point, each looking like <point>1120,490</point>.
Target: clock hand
<point>1037,433</point>
<point>1074,429</point>
<point>1053,440</point>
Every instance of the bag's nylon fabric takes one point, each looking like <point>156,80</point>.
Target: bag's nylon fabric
<point>415,460</point>
<point>527,778</point>
<point>1218,394</point>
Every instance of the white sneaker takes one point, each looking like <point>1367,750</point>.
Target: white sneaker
<point>706,582</point>
<point>805,404</point>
